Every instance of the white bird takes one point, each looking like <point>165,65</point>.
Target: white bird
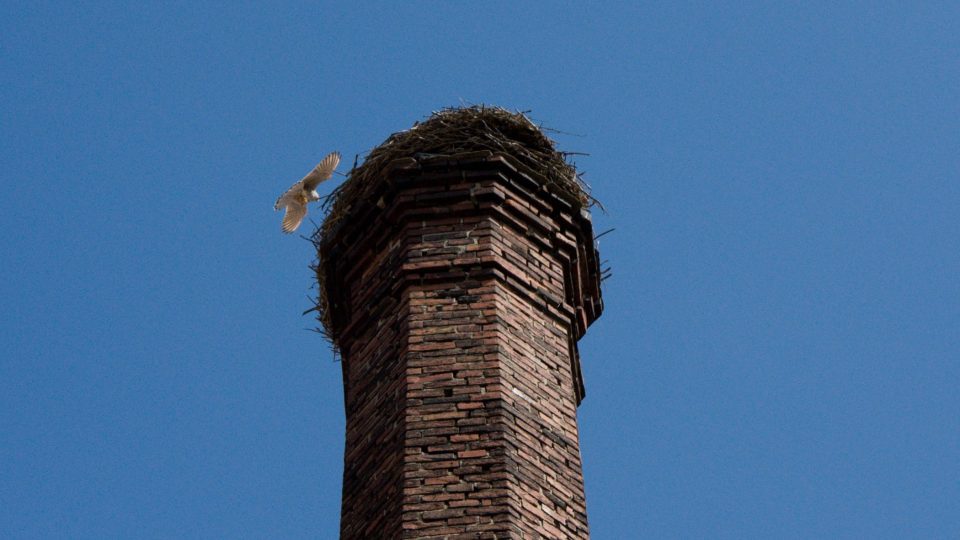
<point>296,198</point>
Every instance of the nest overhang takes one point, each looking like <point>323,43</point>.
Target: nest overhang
<point>445,134</point>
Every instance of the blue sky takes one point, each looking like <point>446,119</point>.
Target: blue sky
<point>780,351</point>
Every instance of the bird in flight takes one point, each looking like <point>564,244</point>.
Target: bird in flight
<point>296,198</point>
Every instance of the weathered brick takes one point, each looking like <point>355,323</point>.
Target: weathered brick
<point>458,306</point>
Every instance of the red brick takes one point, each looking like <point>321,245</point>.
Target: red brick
<point>457,320</point>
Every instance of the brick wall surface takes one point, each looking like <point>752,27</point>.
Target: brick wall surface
<point>458,297</point>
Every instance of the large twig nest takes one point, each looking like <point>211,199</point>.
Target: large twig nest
<point>447,132</point>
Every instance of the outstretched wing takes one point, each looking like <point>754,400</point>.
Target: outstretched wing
<point>290,195</point>
<point>295,212</point>
<point>323,171</point>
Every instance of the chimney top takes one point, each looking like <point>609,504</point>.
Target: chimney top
<point>472,133</point>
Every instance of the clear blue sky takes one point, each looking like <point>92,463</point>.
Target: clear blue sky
<point>780,353</point>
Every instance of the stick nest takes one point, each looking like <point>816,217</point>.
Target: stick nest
<point>447,132</point>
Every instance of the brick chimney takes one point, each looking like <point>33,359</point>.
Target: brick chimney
<point>455,287</point>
